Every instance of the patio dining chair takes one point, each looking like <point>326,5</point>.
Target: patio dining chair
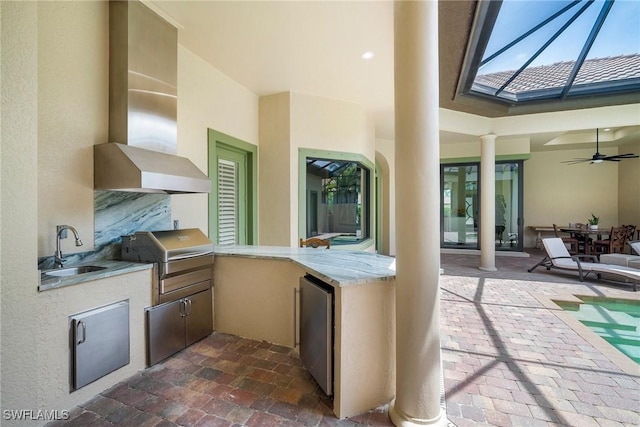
<point>582,235</point>
<point>500,233</point>
<point>614,244</point>
<point>558,257</point>
<point>631,231</point>
<point>313,242</point>
<point>571,241</point>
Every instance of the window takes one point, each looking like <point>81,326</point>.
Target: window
<point>337,198</point>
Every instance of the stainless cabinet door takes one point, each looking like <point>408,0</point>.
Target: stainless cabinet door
<point>316,333</point>
<point>200,317</point>
<point>100,342</point>
<point>165,331</point>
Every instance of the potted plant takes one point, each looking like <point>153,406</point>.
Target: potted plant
<point>593,222</point>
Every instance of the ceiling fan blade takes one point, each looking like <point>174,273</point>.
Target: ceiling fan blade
<point>620,156</point>
<point>575,161</point>
<point>612,159</point>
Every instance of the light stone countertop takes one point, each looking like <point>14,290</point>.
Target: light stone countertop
<point>336,267</point>
<point>113,268</point>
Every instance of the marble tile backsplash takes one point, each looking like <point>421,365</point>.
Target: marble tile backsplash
<point>117,214</point>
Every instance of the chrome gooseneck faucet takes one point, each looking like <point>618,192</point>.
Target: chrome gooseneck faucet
<point>59,231</point>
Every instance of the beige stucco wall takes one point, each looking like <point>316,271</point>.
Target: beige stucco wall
<point>385,155</point>
<point>629,186</point>
<point>365,364</point>
<point>207,99</point>
<point>73,108</point>
<point>330,124</point>
<point>505,146</point>
<point>19,352</point>
<point>555,192</point>
<point>275,185</point>
<point>254,298</point>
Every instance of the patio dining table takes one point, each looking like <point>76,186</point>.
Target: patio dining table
<point>586,233</point>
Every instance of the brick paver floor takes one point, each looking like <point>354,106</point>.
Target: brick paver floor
<point>509,359</point>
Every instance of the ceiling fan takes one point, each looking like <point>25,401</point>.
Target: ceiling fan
<point>599,158</point>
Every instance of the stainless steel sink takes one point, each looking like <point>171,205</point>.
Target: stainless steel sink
<point>72,271</point>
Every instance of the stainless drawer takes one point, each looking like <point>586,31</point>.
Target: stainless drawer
<point>176,282</point>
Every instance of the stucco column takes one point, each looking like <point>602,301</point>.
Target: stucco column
<point>417,215</point>
<point>488,202</point>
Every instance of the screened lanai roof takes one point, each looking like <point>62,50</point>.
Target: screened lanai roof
<point>325,167</point>
<point>607,74</point>
<point>531,51</point>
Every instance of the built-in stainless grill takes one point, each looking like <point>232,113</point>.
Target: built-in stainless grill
<point>182,302</point>
<point>184,260</point>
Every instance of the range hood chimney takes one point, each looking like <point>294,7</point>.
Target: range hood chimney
<point>143,99</point>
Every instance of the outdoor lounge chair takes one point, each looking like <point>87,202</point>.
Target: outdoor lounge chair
<point>558,257</point>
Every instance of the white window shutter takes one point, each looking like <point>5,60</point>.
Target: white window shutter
<point>227,202</point>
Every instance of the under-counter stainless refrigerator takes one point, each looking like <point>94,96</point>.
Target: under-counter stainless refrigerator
<point>316,330</point>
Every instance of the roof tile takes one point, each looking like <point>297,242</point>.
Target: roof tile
<point>596,70</point>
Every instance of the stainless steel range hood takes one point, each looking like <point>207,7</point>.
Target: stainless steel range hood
<point>128,168</point>
<point>143,70</point>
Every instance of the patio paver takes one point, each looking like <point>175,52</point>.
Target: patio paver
<point>509,359</point>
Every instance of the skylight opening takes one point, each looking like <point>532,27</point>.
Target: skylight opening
<point>554,50</point>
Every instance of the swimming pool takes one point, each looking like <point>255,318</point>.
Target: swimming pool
<point>616,320</point>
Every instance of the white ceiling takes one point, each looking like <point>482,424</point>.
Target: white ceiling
<point>316,47</point>
<point>300,46</point>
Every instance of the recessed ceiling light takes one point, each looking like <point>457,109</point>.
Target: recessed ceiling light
<point>607,129</point>
<point>368,55</point>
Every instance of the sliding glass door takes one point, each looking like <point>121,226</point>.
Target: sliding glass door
<point>460,205</point>
<point>460,201</point>
<point>509,222</point>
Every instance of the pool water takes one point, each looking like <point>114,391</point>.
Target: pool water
<point>615,320</point>
<point>345,240</point>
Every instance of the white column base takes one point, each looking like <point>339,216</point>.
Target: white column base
<point>400,419</point>
<point>487,268</point>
